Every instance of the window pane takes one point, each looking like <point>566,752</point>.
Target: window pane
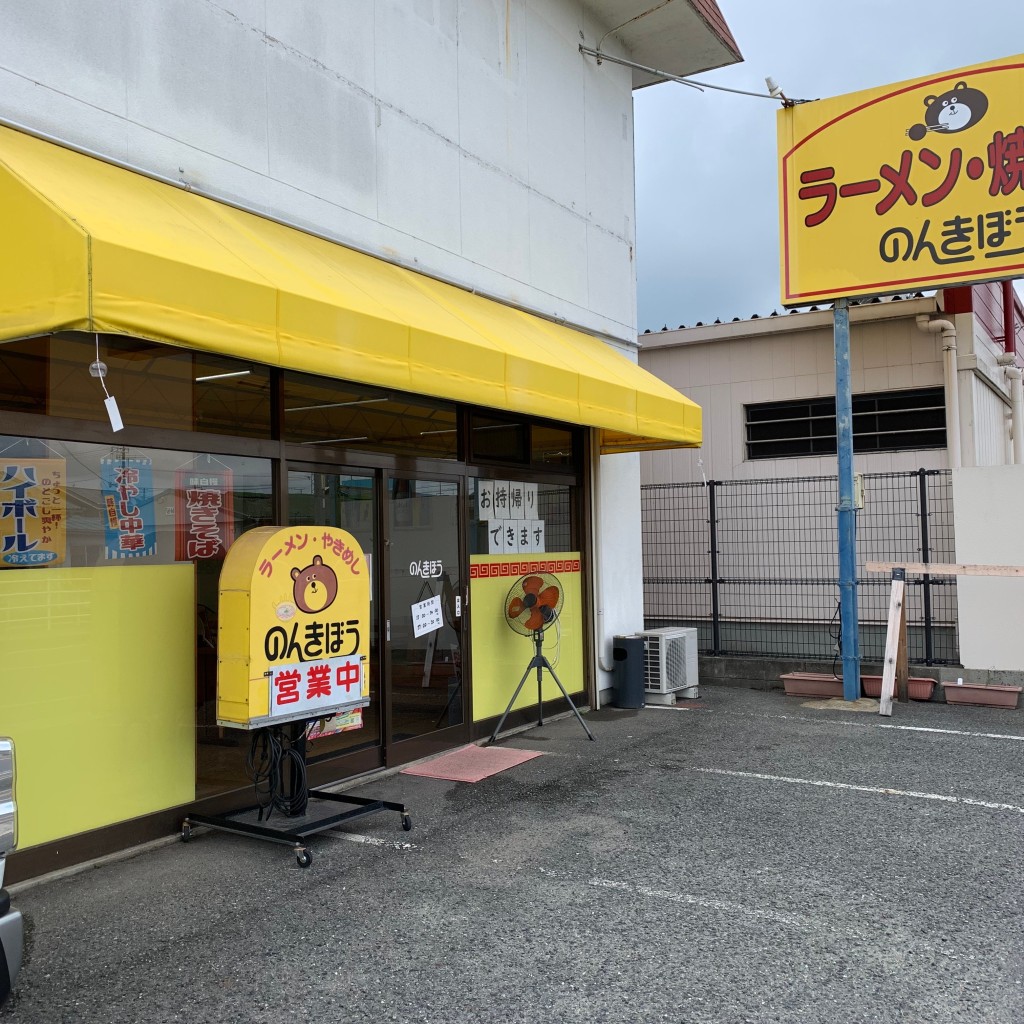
<point>145,505</point>
<point>553,446</point>
<point>545,524</point>
<point>554,503</point>
<point>498,440</point>
<point>103,506</point>
<point>23,375</point>
<point>426,663</point>
<point>155,385</point>
<point>883,421</point>
<point>229,397</point>
<point>322,413</point>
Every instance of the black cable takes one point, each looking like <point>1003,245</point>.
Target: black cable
<point>271,752</point>
<point>835,631</point>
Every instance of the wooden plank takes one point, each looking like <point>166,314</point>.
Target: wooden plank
<point>902,657</point>
<point>892,640</point>
<point>946,568</point>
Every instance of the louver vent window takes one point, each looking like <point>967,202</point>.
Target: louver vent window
<point>887,421</point>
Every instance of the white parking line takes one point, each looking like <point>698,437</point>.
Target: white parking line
<point>944,798</point>
<point>671,707</point>
<point>902,728</point>
<point>947,732</point>
<point>1014,737</point>
<point>697,901</point>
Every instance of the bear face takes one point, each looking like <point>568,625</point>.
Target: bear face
<point>315,587</point>
<point>951,111</point>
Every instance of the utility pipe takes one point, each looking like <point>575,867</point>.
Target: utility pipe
<point>1016,412</point>
<point>1009,342</point>
<point>596,569</point>
<point>948,331</point>
<point>846,513</point>
<point>1008,360</point>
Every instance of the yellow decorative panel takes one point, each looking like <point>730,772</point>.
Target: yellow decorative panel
<point>98,692</point>
<point>500,655</point>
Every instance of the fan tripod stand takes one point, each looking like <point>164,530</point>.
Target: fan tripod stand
<point>539,662</point>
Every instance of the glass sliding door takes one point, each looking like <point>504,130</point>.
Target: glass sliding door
<point>347,500</point>
<point>425,615</point>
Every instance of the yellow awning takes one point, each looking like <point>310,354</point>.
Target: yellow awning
<point>92,247</point>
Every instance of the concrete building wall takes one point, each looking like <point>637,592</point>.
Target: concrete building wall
<point>465,138</point>
<point>989,607</point>
<point>724,368</point>
<point>727,366</point>
<point>986,418</point>
<point>984,388</point>
<point>620,603</point>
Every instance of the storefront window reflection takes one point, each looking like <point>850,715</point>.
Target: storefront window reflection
<point>513,517</point>
<point>347,501</point>
<point>74,504</point>
<point>155,385</point>
<point>111,553</point>
<point>321,413</point>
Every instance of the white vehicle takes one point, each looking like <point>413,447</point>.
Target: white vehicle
<point>11,924</point>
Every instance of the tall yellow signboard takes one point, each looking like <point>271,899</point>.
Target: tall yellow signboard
<point>294,627</point>
<point>909,186</point>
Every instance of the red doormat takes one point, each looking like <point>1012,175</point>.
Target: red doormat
<point>472,763</point>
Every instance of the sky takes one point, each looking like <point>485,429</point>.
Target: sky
<point>706,163</point>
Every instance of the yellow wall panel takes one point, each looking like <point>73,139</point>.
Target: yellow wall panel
<point>500,655</point>
<point>98,692</point>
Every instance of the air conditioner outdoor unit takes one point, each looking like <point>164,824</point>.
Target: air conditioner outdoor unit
<point>670,661</point>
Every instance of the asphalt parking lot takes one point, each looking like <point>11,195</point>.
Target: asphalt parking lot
<point>745,858</point>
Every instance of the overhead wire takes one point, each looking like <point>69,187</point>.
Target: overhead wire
<point>601,56</point>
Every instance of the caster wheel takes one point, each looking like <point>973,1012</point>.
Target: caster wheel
<point>305,858</point>
<point>186,832</point>
<point>406,823</point>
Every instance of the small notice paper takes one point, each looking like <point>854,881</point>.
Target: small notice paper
<point>426,616</point>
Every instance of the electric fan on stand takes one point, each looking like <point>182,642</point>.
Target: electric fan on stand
<point>531,607</point>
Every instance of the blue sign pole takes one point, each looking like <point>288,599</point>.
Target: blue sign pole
<point>847,514</point>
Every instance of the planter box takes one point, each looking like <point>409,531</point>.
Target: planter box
<point>994,696</point>
<point>811,684</point>
<point>918,687</point>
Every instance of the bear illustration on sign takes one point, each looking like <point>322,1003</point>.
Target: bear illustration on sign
<point>315,586</point>
<point>952,111</point>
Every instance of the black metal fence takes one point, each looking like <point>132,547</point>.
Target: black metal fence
<point>753,564</point>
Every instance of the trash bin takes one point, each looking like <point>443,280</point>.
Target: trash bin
<point>628,672</point>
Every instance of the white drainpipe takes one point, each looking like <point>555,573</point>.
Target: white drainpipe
<point>1017,412</point>
<point>597,570</point>
<point>952,384</point>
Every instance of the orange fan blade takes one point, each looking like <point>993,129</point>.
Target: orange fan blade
<point>536,620</point>
<point>532,584</point>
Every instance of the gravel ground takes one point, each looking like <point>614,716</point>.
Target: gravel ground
<point>751,858</point>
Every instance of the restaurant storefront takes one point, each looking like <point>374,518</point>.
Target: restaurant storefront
<point>264,377</point>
